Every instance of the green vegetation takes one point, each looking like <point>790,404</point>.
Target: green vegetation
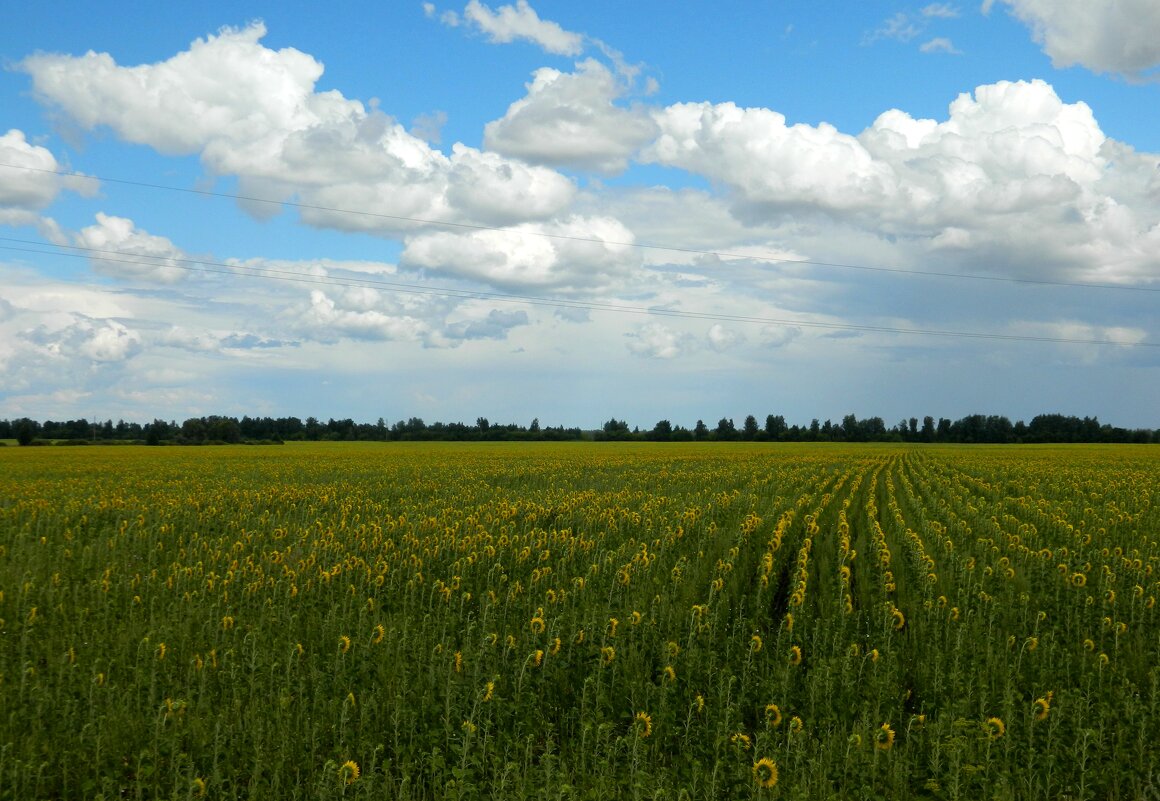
<point>579,621</point>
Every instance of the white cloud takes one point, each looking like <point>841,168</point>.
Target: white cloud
<point>656,341</point>
<point>566,255</point>
<point>253,112</point>
<point>1118,37</point>
<point>721,338</point>
<point>28,179</point>
<point>939,44</point>
<point>777,336</point>
<point>940,11</point>
<point>1030,182</point>
<point>138,254</point>
<point>521,22</point>
<point>899,27</point>
<point>569,119</point>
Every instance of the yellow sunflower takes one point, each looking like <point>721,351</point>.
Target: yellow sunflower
<point>884,737</point>
<point>349,772</point>
<point>765,772</point>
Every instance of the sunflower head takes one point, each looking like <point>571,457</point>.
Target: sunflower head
<point>884,737</point>
<point>795,655</point>
<point>765,772</point>
<point>642,723</point>
<point>741,741</point>
<point>607,654</point>
<point>995,728</point>
<point>348,772</point>
<point>1042,707</point>
<point>773,715</point>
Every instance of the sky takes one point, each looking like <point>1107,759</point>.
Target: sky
<point>579,211</point>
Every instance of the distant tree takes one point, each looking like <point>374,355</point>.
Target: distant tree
<point>615,429</point>
<point>25,431</point>
<point>927,433</point>
<point>943,432</point>
<point>700,431</point>
<point>775,427</point>
<point>850,430</point>
<point>662,431</point>
<point>725,429</point>
<point>815,429</point>
<point>749,428</point>
<point>534,428</point>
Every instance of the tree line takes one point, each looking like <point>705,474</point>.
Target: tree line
<point>975,428</point>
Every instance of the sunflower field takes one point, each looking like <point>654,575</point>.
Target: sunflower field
<point>580,621</point>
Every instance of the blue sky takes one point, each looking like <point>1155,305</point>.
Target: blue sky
<point>578,211</point>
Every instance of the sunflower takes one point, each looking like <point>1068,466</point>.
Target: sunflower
<point>643,724</point>
<point>489,691</point>
<point>898,619</point>
<point>741,741</point>
<point>536,624</point>
<point>773,715</point>
<point>607,654</point>
<point>379,634</point>
<point>669,673</point>
<point>1078,579</point>
<point>755,643</point>
<point>538,657</point>
<point>349,772</point>
<point>344,643</point>
<point>765,772</point>
<point>1042,706</point>
<point>795,725</point>
<point>795,655</point>
<point>995,727</point>
<point>884,737</point>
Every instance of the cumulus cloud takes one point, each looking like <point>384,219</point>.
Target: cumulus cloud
<point>721,338</point>
<point>253,112</point>
<point>1024,180</point>
<point>87,338</point>
<point>131,252</point>
<point>777,336</point>
<point>656,341</point>
<point>521,23</point>
<point>570,120</point>
<point>330,317</point>
<point>565,255</point>
<point>29,175</point>
<point>495,325</point>
<point>1118,37</point>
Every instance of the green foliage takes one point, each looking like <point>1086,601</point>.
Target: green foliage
<point>500,621</point>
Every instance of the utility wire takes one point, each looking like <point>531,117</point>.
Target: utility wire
<point>589,240</point>
<point>213,267</point>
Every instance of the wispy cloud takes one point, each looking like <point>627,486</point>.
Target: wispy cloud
<point>940,44</point>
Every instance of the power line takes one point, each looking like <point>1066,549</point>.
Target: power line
<point>591,240</point>
<point>212,267</point>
